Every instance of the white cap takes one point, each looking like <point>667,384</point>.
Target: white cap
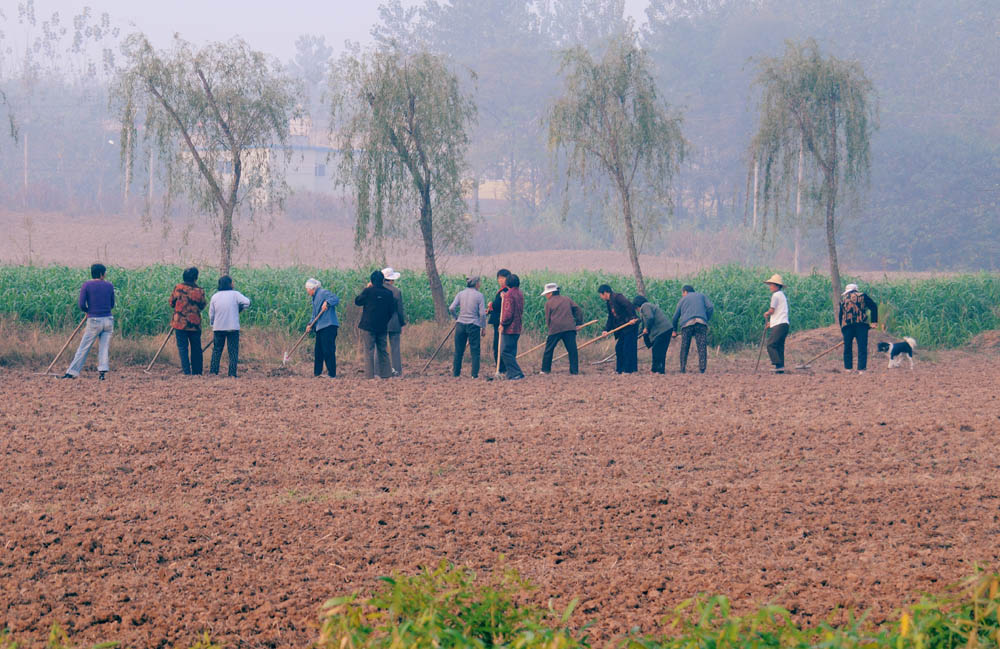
<point>551,287</point>
<point>390,274</point>
<point>312,283</point>
<point>849,288</point>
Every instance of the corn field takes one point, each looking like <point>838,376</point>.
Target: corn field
<point>940,313</point>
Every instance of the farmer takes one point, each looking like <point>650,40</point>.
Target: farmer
<point>777,323</point>
<point>188,301</point>
<point>396,323</point>
<point>97,298</point>
<point>224,315</point>
<point>493,309</point>
<point>324,312</point>
<point>656,332</point>
<point>620,311</point>
<point>510,327</point>
<point>693,313</point>
<point>469,310</point>
<point>378,304</point>
<point>854,324</point>
<point>562,316</point>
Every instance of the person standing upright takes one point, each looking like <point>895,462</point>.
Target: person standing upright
<point>324,311</point>
<point>188,300</point>
<point>655,332</point>
<point>777,323</point>
<point>562,317</point>
<point>493,310</point>
<point>469,310</point>
<point>510,327</point>
<point>854,324</point>
<point>378,305</point>
<point>224,315</point>
<point>694,311</point>
<point>97,299</point>
<point>396,323</point>
<point>621,311</point>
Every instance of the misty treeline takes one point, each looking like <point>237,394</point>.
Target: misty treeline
<point>933,200</point>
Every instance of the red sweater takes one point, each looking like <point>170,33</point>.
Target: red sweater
<point>513,308</point>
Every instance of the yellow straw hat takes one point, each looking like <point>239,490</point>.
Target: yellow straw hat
<point>775,279</point>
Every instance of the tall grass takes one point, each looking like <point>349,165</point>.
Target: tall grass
<point>937,312</point>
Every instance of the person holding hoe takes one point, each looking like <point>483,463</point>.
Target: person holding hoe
<point>854,325</point>
<point>694,311</point>
<point>562,316</point>
<point>620,312</point>
<point>493,310</point>
<point>377,306</point>
<point>469,310</point>
<point>97,299</point>
<point>224,316</point>
<point>325,324</point>
<point>510,327</point>
<point>656,330</point>
<point>188,301</point>
<point>777,323</point>
<point>396,323</point>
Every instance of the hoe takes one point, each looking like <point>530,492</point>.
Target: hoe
<point>807,365</point>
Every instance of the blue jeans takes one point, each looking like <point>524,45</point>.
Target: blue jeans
<point>98,329</point>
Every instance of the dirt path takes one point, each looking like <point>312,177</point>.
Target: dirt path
<point>146,509</point>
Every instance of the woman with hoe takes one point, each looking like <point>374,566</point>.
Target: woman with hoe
<point>326,326</point>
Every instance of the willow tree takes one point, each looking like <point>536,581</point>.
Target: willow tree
<point>823,108</point>
<point>219,119</point>
<point>611,116</point>
<point>402,124</point>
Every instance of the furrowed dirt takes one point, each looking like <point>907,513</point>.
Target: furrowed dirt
<point>146,509</point>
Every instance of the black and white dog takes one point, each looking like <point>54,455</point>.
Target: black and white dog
<point>896,351</point>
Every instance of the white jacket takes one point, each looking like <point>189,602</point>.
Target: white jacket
<point>224,310</point>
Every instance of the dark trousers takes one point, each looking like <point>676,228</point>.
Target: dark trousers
<point>189,338</point>
<point>660,346</point>
<point>568,339</point>
<point>496,347</point>
<point>776,344</point>
<point>376,348</point>
<point>626,352</point>
<point>471,334</point>
<point>231,340</point>
<point>508,355</point>
<point>859,332</point>
<point>325,351</point>
<point>700,334</point>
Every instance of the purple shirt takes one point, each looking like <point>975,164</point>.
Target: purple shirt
<point>97,298</point>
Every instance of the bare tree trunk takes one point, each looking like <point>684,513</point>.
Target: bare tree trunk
<point>25,169</point>
<point>430,261</point>
<point>754,195</point>
<point>633,252</point>
<point>128,170</point>
<point>226,240</point>
<point>831,242</point>
<point>798,207</point>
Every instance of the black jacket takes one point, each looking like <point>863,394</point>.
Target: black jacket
<point>620,311</point>
<point>378,306</point>
<point>494,318</point>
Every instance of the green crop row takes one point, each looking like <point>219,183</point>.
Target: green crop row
<point>937,312</point>
<point>450,608</point>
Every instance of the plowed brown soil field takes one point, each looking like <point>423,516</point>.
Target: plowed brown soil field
<point>147,508</point>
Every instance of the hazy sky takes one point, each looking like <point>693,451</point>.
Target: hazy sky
<point>266,24</point>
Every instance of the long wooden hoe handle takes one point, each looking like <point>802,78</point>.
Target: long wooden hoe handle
<point>540,345</point>
<point>821,355</point>
<point>760,350</point>
<point>602,337</point>
<point>65,345</point>
<point>500,333</point>
<point>301,338</point>
<point>434,355</point>
<point>157,354</point>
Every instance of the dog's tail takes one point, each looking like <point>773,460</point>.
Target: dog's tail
<point>911,342</point>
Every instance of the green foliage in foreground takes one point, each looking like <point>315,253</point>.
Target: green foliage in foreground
<point>937,312</point>
<point>451,608</point>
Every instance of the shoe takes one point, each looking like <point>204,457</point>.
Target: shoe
<point>544,373</point>
<point>100,376</point>
<point>861,371</point>
<point>67,376</point>
<point>516,378</point>
<point>779,370</point>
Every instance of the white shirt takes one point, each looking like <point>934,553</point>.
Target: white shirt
<point>780,305</point>
<point>224,310</point>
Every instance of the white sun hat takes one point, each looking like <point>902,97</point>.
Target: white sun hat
<point>551,287</point>
<point>849,288</point>
<point>390,274</point>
